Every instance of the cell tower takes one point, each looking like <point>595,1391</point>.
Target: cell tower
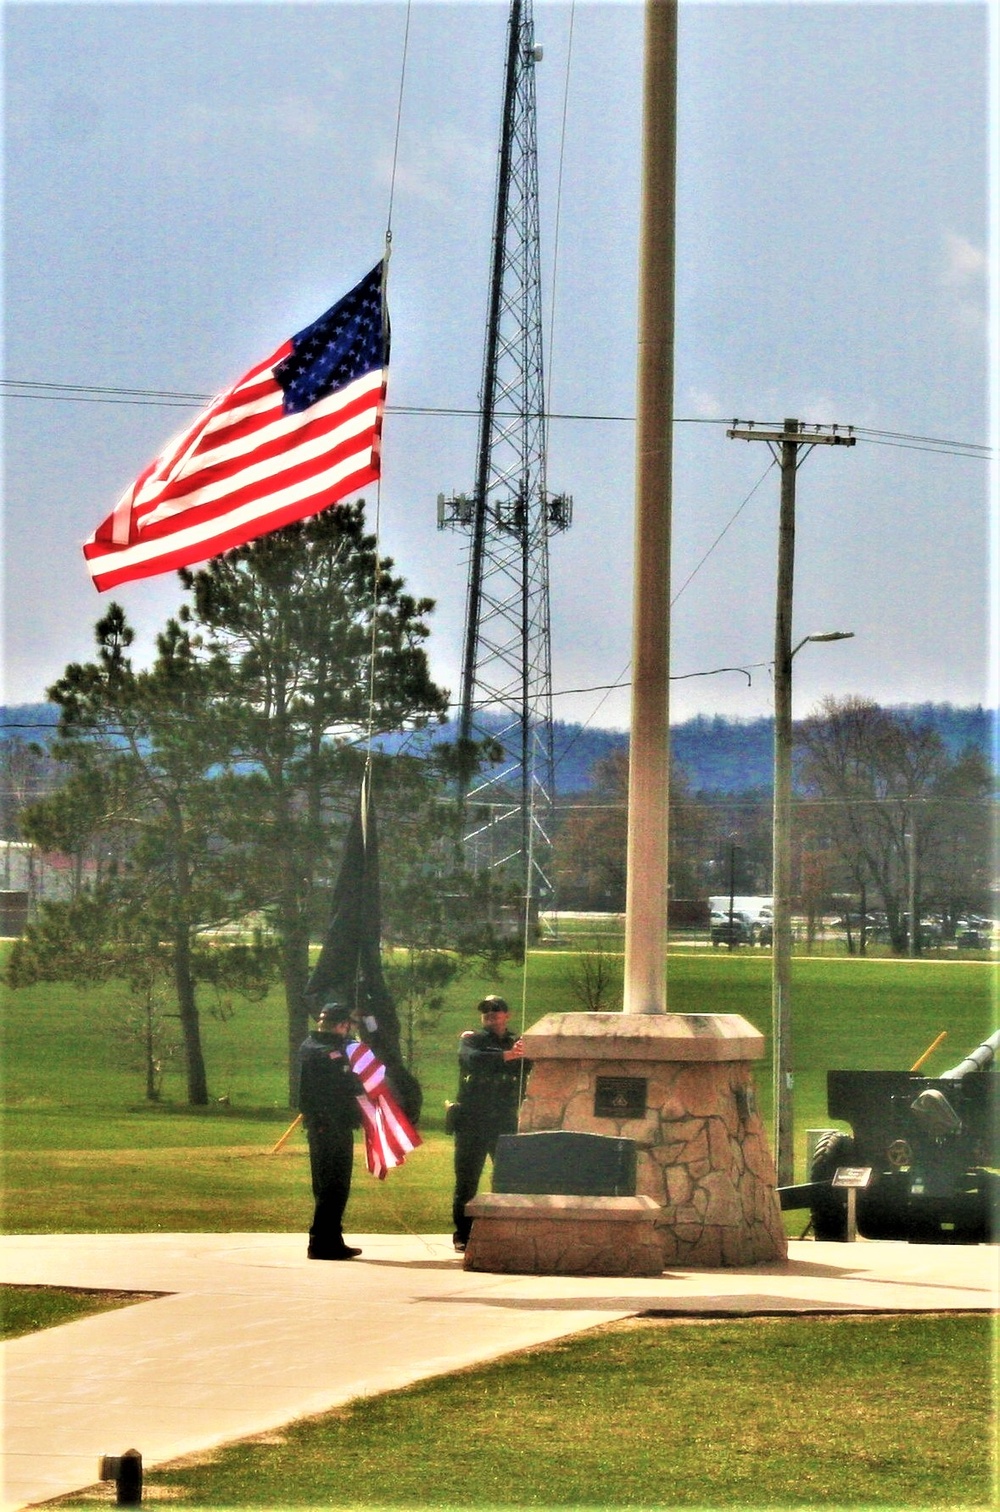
<point>507,662</point>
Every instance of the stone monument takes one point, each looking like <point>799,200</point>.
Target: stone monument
<point>680,1087</point>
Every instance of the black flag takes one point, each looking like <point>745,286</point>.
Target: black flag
<point>349,968</point>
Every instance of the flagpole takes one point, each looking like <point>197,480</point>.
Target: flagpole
<point>649,749</point>
<point>287,1135</point>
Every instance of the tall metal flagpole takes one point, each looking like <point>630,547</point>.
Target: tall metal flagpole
<point>649,761</point>
<point>728,1213</point>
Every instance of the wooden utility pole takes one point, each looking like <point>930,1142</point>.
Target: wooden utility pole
<point>649,747</point>
<point>781,833</point>
<point>913,932</point>
<point>789,439</point>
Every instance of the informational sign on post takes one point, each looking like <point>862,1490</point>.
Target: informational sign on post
<point>855,1179</point>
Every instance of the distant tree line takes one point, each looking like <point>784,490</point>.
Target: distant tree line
<point>717,755</point>
<point>886,818</point>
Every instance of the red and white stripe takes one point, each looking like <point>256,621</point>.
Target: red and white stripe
<point>243,468</point>
<point>389,1135</point>
<point>366,1067</point>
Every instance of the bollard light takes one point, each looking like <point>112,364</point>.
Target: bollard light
<point>126,1472</point>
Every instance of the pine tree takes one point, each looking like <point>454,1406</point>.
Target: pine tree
<point>143,749</point>
<point>322,649</point>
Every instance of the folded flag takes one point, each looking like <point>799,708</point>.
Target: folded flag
<point>295,434</point>
<point>389,1135</point>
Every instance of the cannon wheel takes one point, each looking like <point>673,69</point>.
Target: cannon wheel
<point>829,1212</point>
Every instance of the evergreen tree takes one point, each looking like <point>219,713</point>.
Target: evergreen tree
<point>143,748</point>
<point>322,649</point>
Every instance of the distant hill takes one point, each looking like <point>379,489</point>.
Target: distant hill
<point>735,756</point>
<point>717,755</point>
<point>28,721</point>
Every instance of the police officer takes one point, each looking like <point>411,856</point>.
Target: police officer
<point>491,1072</point>
<point>328,1102</point>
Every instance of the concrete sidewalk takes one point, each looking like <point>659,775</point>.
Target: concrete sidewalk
<point>249,1335</point>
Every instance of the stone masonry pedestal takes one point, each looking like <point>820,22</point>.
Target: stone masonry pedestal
<point>680,1086</point>
<point>564,1236</point>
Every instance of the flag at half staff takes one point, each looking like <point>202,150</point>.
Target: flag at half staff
<point>296,433</point>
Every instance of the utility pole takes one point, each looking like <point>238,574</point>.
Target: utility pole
<point>912,934</point>
<point>509,517</point>
<point>786,445</point>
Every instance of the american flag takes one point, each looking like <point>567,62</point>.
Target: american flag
<point>389,1135</point>
<point>296,433</point>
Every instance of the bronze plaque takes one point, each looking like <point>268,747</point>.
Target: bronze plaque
<point>620,1097</point>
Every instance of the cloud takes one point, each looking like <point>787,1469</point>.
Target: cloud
<point>963,278</point>
<point>439,168</point>
<point>965,263</point>
<point>705,406</point>
<point>293,117</point>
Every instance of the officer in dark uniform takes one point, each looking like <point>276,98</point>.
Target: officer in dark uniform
<point>328,1102</point>
<point>491,1073</point>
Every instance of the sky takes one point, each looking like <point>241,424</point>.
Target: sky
<point>188,184</point>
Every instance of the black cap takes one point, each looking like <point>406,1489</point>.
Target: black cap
<point>494,1004</point>
<point>335,1010</point>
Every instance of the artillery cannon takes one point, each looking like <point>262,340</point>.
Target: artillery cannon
<point>933,1147</point>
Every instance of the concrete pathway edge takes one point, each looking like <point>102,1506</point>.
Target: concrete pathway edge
<point>247,1335</point>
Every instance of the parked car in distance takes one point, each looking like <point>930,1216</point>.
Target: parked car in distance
<point>853,922</point>
<point>726,931</point>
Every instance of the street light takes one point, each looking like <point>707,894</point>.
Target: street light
<point>781,884</point>
<point>824,635</point>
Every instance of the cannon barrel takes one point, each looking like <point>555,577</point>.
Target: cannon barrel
<point>977,1061</point>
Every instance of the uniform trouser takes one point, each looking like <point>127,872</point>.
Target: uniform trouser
<point>331,1157</point>
<point>471,1149</point>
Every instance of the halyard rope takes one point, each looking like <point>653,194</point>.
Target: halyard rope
<point>376,575</point>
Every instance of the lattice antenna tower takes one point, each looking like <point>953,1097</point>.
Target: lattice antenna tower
<point>507,661</point>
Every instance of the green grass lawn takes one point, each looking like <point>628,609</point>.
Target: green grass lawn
<point>863,1412</point>
<point>83,1152</point>
<point>26,1309</point>
<point>859,1412</point>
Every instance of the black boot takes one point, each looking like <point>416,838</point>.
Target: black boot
<point>335,1250</point>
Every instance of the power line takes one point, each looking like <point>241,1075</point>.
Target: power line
<point>41,724</point>
<point>958,449</point>
<point>724,531</point>
<point>610,687</point>
<point>85,393</point>
<point>863,430</point>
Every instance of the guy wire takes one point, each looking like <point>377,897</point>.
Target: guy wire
<point>559,183</point>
